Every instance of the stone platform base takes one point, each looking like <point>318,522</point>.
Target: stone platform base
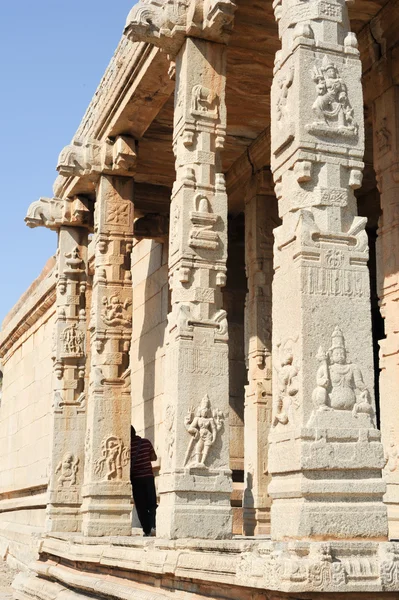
<point>73,568</point>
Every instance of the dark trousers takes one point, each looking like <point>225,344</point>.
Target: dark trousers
<point>145,501</point>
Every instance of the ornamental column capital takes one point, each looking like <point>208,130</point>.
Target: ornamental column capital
<point>55,213</point>
<point>167,24</point>
<point>88,158</point>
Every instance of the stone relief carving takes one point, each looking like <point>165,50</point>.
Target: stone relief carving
<point>204,102</point>
<point>389,566</point>
<point>169,426</point>
<point>332,108</point>
<point>115,311</point>
<point>384,138</point>
<point>203,425</point>
<point>203,220</point>
<point>73,341</point>
<point>392,454</point>
<point>74,262</point>
<point>68,469</point>
<point>340,383</point>
<point>114,456</point>
<point>118,213</point>
<point>287,374</point>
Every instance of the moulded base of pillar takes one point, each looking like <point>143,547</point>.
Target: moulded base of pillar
<point>330,518</point>
<point>106,516</point>
<point>256,521</point>
<point>393,520</point>
<point>63,518</point>
<point>209,517</point>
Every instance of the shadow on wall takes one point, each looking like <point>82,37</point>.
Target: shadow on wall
<point>151,305</point>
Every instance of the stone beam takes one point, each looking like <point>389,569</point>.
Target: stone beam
<point>325,453</point>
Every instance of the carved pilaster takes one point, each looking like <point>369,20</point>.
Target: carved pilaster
<point>386,162</point>
<point>196,463</point>
<point>260,220</point>
<point>106,507</point>
<point>69,404</point>
<point>71,218</point>
<point>325,454</point>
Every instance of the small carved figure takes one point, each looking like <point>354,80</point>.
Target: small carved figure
<point>73,340</point>
<point>340,383</point>
<point>74,260</point>
<point>115,313</point>
<point>392,454</point>
<point>331,107</point>
<point>114,457</point>
<point>204,102</point>
<point>204,426</point>
<point>68,469</point>
<point>287,384</point>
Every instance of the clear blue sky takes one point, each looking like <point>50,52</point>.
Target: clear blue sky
<point>53,54</point>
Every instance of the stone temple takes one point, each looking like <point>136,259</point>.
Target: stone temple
<point>226,278</point>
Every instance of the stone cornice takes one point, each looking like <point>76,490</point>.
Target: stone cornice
<point>137,70</point>
<point>36,301</point>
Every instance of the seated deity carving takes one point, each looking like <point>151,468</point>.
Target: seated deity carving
<point>203,425</point>
<point>68,469</point>
<point>340,384</point>
<point>287,384</point>
<point>332,107</point>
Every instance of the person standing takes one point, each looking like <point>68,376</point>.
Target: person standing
<point>143,483</point>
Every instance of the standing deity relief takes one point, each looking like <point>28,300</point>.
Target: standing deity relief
<point>332,107</point>
<point>287,381</point>
<point>68,469</point>
<point>340,384</point>
<point>204,425</point>
<point>73,341</point>
<point>114,456</point>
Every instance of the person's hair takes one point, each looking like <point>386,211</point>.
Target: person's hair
<point>132,431</point>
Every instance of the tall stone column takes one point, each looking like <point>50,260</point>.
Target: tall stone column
<point>260,220</point>
<point>386,162</point>
<point>71,219</point>
<point>195,483</point>
<point>325,454</point>
<point>107,495</point>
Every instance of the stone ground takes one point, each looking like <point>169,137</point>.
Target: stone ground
<point>6,577</point>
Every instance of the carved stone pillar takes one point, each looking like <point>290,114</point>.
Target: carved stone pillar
<point>195,483</point>
<point>260,220</point>
<point>69,403</point>
<point>325,454</point>
<point>107,495</point>
<point>386,162</point>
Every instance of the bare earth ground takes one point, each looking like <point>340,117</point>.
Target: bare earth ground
<point>6,577</point>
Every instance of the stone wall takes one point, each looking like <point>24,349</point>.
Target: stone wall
<point>25,419</point>
<point>150,309</point>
